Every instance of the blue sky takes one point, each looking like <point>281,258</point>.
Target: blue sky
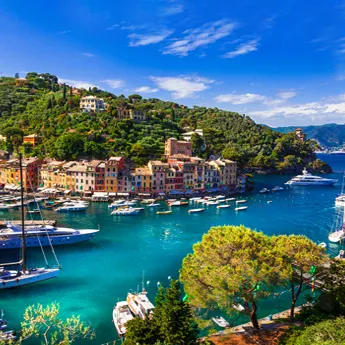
<point>281,62</point>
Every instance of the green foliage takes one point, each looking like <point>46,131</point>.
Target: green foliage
<point>44,324</point>
<point>39,105</point>
<point>172,321</point>
<point>232,265</point>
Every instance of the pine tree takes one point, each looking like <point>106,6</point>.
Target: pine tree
<point>16,75</point>
<point>71,92</point>
<point>64,91</point>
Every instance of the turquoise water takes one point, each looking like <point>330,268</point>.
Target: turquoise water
<point>98,273</point>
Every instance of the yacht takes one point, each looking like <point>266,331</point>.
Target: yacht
<point>220,321</point>
<point>139,304</point>
<point>307,179</point>
<point>42,235</point>
<point>178,203</point>
<point>340,200</point>
<point>264,191</point>
<point>277,189</point>
<point>72,207</point>
<point>338,235</point>
<point>125,212</point>
<point>121,315</point>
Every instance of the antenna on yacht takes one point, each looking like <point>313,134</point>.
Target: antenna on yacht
<point>23,260</point>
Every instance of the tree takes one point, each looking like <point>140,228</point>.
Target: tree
<point>304,259</point>
<point>64,90</point>
<point>134,98</point>
<point>45,324</point>
<point>14,137</point>
<point>197,143</point>
<point>171,323</point>
<point>16,75</point>
<point>232,265</point>
<point>68,146</point>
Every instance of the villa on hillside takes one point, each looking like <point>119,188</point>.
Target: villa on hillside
<point>91,103</point>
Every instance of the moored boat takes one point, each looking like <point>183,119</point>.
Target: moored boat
<point>277,189</point>
<point>241,201</point>
<point>72,207</point>
<point>164,212</point>
<point>196,210</point>
<point>139,304</point>
<point>220,321</point>
<point>338,235</point>
<point>307,179</point>
<point>243,208</point>
<point>125,212</point>
<point>121,315</point>
<point>264,191</point>
<point>178,203</point>
<point>223,206</point>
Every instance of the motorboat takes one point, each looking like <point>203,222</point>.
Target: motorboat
<point>338,235</point>
<point>148,201</point>
<point>164,212</point>
<point>153,205</point>
<point>307,179</point>
<point>121,203</point>
<point>322,245</point>
<point>340,200</point>
<point>212,203</point>
<point>72,207</point>
<point>125,212</point>
<point>140,305</point>
<point>223,206</point>
<point>8,337</point>
<point>241,201</point>
<point>220,197</point>
<point>42,235</point>
<point>277,189</point>
<point>196,210</point>
<point>121,315</point>
<point>34,211</point>
<point>243,208</point>
<point>341,255</point>
<point>178,203</point>
<point>140,209</point>
<point>230,199</point>
<point>220,321</point>
<point>264,191</point>
<point>195,198</point>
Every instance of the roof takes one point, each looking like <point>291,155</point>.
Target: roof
<point>78,168</point>
<point>31,136</point>
<point>180,155</point>
<point>197,159</point>
<point>158,163</point>
<point>95,163</point>
<point>92,97</point>
<point>117,159</point>
<point>143,171</point>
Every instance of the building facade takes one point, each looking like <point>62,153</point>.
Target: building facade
<point>174,146</point>
<point>91,104</point>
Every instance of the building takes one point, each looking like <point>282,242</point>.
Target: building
<point>158,171</point>
<point>300,135</point>
<point>137,115</point>
<point>199,173</point>
<point>2,138</point>
<point>4,154</point>
<point>100,177</point>
<point>227,171</point>
<point>48,175</point>
<point>32,139</point>
<point>174,146</point>
<point>187,136</point>
<point>114,168</point>
<point>123,113</point>
<point>143,180</point>
<point>91,104</point>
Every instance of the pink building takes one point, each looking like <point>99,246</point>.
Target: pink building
<point>158,170</point>
<point>174,146</point>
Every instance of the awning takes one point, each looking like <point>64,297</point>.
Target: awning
<point>122,194</point>
<point>67,191</point>
<point>144,194</point>
<point>161,193</point>
<point>112,194</point>
<point>100,194</point>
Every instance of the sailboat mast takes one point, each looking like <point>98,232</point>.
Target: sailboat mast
<point>23,261</point>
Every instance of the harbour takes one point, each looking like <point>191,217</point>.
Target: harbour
<point>97,274</point>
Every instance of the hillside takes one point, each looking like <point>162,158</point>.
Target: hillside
<point>40,105</point>
<point>328,136</point>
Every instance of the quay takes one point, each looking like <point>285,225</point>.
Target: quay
<point>29,222</point>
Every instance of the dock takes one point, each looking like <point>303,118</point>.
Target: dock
<point>29,222</point>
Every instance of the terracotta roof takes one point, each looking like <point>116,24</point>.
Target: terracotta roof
<point>142,171</point>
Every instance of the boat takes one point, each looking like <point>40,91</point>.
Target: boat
<point>164,212</point>
<point>153,205</point>
<point>72,207</point>
<point>241,201</point>
<point>148,201</point>
<point>125,212</point>
<point>220,197</point>
<point>212,203</point>
<point>264,191</point>
<point>196,210</point>
<point>195,198</point>
<point>140,209</point>
<point>43,235</point>
<point>307,179</point>
<point>277,189</point>
<point>3,322</point>
<point>230,199</point>
<point>8,337</point>
<point>340,199</point>
<point>34,211</point>
<point>23,275</point>
<point>5,207</point>
<point>341,255</point>
<point>220,321</point>
<point>121,315</point>
<point>338,235</point>
<point>223,206</point>
<point>322,245</point>
<point>178,203</point>
<point>238,307</point>
<point>243,208</point>
<point>139,304</point>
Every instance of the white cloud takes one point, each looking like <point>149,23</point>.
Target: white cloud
<point>64,32</point>
<point>244,48</point>
<point>240,98</point>
<point>287,94</point>
<point>137,40</point>
<point>88,54</point>
<point>199,37</point>
<point>182,87</point>
<point>77,83</point>
<point>146,89</point>
<point>172,10</point>
<point>114,83</point>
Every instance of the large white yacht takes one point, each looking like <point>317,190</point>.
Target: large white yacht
<point>42,235</point>
<point>139,304</point>
<point>307,179</point>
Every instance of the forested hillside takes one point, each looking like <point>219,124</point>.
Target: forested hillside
<point>40,105</point>
<point>330,135</point>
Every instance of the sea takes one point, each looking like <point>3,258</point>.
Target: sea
<point>150,248</point>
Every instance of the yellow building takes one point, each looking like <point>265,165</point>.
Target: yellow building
<point>91,103</point>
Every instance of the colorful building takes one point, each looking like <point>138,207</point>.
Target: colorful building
<point>158,171</point>
<point>32,139</point>
<point>174,146</point>
<point>91,104</point>
<point>114,168</point>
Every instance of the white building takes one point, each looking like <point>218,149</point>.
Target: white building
<point>91,103</point>
<point>187,136</point>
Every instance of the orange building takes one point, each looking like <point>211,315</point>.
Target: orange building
<point>32,139</point>
<point>174,147</point>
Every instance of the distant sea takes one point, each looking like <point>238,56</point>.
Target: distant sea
<point>99,273</point>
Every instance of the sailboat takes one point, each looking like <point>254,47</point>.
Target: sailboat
<point>340,199</point>
<point>338,235</point>
<point>24,276</point>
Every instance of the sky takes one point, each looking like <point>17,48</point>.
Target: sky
<point>280,62</point>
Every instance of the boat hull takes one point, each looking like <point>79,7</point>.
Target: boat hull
<point>37,276</point>
<point>301,183</point>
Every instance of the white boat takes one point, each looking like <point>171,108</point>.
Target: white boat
<point>322,245</point>
<point>277,189</point>
<point>220,321</point>
<point>140,209</point>
<point>223,206</point>
<point>212,203</point>
<point>153,205</point>
<point>5,207</point>
<point>34,211</point>
<point>341,255</point>
<point>8,337</point>
<point>178,203</point>
<point>121,203</point>
<point>43,235</point>
<point>238,307</point>
<point>243,208</point>
<point>241,201</point>
<point>340,200</point>
<point>125,212</point>
<point>338,235</point>
<point>220,197</point>
<point>230,199</point>
<point>139,304</point>
<point>196,210</point>
<point>195,198</point>
<point>264,191</point>
<point>121,315</point>
<point>24,276</point>
<point>72,207</point>
<point>307,179</point>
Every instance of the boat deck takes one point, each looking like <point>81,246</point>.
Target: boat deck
<point>29,222</point>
